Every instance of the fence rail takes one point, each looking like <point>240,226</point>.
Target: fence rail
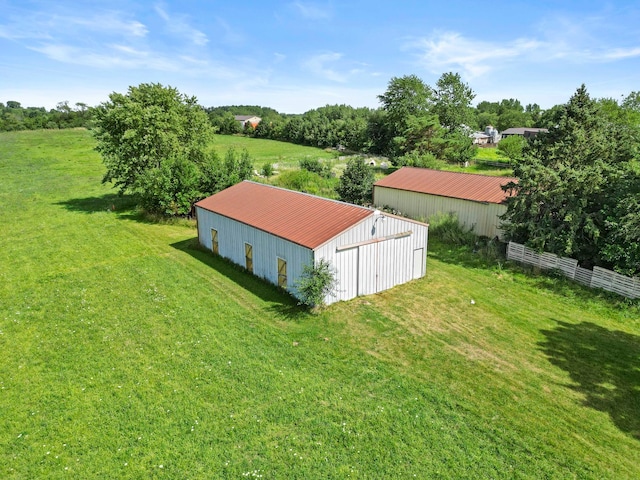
<point>597,278</point>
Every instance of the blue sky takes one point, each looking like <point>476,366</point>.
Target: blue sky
<point>297,55</point>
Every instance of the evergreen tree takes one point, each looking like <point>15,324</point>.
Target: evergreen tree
<point>564,183</point>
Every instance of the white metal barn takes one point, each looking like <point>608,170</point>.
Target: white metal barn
<point>274,232</point>
<point>477,200</point>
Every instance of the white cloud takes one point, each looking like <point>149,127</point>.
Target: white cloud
<point>311,11</point>
<point>179,25</point>
<point>450,50</point>
<point>318,66</point>
<point>621,53</point>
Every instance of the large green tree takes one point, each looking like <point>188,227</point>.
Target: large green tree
<point>154,144</point>
<point>566,182</point>
<point>452,102</point>
<point>405,97</point>
<point>512,146</point>
<point>145,127</point>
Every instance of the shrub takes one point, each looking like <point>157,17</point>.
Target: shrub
<point>356,182</point>
<point>308,182</point>
<point>316,166</point>
<point>446,228</point>
<point>415,159</point>
<point>317,281</point>
<point>267,170</point>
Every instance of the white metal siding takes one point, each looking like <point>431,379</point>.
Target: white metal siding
<point>360,270</point>
<point>421,206</point>
<point>374,267</point>
<point>232,236</point>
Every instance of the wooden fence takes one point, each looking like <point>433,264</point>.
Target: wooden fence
<point>597,278</point>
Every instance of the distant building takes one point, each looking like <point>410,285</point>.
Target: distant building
<point>250,119</point>
<point>492,132</point>
<point>526,132</point>
<point>477,200</point>
<point>489,136</point>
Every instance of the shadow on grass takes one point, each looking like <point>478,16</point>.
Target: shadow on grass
<point>549,280</point>
<point>605,366</point>
<point>108,202</point>
<point>281,302</point>
<point>124,206</point>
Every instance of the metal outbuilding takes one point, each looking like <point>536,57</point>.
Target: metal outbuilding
<point>274,233</point>
<point>477,200</point>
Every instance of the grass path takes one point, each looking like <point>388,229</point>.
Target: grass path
<point>128,352</point>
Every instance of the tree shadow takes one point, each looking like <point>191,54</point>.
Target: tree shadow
<point>124,206</point>
<point>108,202</point>
<point>281,303</point>
<point>605,366</point>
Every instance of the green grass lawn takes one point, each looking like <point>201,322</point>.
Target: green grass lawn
<point>128,352</point>
<point>284,155</point>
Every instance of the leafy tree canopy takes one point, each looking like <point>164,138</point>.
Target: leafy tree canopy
<point>154,144</point>
<point>512,146</point>
<point>356,182</point>
<point>452,102</point>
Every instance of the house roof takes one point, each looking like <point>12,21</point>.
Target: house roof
<point>243,118</point>
<point>522,130</point>
<point>466,186</point>
<point>301,218</point>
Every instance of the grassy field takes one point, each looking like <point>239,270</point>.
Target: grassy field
<point>128,352</point>
<point>284,155</point>
<point>287,156</point>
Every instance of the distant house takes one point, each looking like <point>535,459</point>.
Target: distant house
<point>480,138</point>
<point>477,200</point>
<point>250,119</point>
<point>526,132</point>
<point>489,136</point>
<point>275,232</point>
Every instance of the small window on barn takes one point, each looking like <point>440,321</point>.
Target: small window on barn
<point>282,273</point>
<point>214,241</point>
<point>248,257</point>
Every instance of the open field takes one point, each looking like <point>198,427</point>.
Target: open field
<point>128,352</point>
<point>285,155</point>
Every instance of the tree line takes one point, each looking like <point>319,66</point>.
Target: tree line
<point>13,116</point>
<point>578,189</point>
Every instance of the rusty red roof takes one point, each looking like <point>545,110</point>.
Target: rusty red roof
<point>301,218</point>
<point>466,186</point>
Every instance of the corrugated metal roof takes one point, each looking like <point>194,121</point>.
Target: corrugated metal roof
<point>467,186</point>
<point>301,218</point>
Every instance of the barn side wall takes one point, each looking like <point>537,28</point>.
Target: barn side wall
<point>482,216</point>
<point>368,266</point>
<point>232,236</point>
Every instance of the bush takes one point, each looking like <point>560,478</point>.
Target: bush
<point>317,281</point>
<point>415,159</point>
<point>316,166</point>
<point>446,228</point>
<point>305,181</point>
<point>356,182</point>
<point>267,170</point>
